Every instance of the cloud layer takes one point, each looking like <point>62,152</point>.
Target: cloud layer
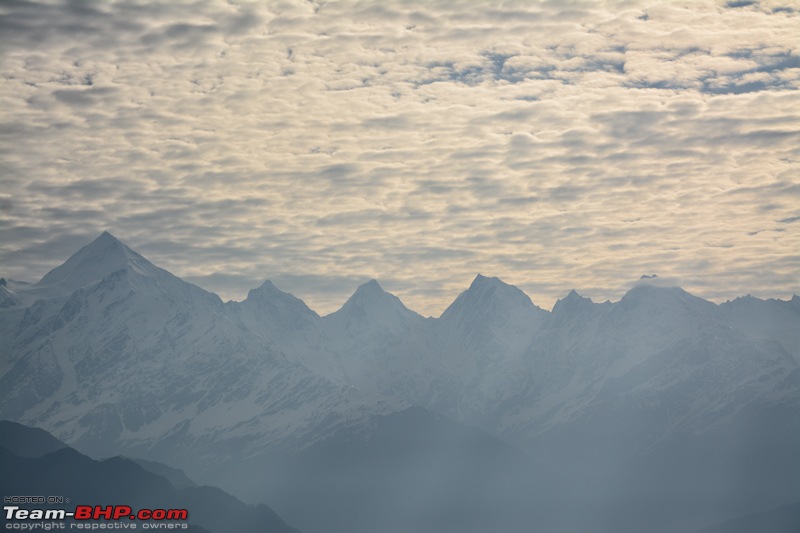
<point>553,144</point>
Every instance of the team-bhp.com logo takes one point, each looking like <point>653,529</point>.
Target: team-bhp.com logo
<point>95,517</point>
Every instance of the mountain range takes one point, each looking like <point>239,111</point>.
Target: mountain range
<point>661,411</point>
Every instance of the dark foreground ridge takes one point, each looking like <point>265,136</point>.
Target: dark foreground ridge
<point>60,470</point>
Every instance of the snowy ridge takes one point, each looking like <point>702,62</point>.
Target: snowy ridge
<point>139,355</point>
<point>370,304</point>
<point>771,319</point>
<point>113,354</point>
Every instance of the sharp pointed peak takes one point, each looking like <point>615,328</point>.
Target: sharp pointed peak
<point>267,287</point>
<point>372,299</point>
<point>104,255</point>
<point>572,300</point>
<point>486,285</point>
<point>106,235</point>
<point>370,291</point>
<point>485,292</point>
<point>269,290</point>
<point>575,296</point>
<point>106,239</point>
<point>486,281</point>
<point>370,287</point>
<point>268,296</point>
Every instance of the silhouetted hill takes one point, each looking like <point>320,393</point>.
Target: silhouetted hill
<point>27,442</point>
<point>175,476</point>
<point>119,481</point>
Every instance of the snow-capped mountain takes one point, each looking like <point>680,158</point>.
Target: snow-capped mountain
<point>285,322</point>
<point>95,261</point>
<point>134,354</point>
<point>774,320</point>
<point>491,310</point>
<point>369,308</point>
<point>487,326</point>
<point>470,354</point>
<point>276,313</point>
<point>659,386</point>
<point>115,355</point>
<point>372,338</point>
<point>657,342</point>
<point>136,361</point>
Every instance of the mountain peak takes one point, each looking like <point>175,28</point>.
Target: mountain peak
<point>268,292</point>
<point>371,293</point>
<point>574,296</point>
<point>104,243</point>
<point>104,255</point>
<point>645,289</point>
<point>485,281</point>
<point>370,287</point>
<point>488,295</point>
<point>106,237</point>
<point>370,301</point>
<point>266,287</point>
<point>485,284</point>
<point>660,297</point>
<point>267,304</point>
<point>571,302</point>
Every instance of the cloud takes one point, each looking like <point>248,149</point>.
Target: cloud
<point>555,145</point>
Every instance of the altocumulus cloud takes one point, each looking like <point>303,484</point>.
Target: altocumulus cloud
<point>321,144</point>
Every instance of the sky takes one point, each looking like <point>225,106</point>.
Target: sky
<point>556,145</point>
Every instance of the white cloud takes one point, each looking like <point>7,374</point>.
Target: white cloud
<point>417,143</point>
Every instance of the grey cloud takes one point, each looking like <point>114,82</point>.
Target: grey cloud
<point>519,200</point>
<point>630,124</point>
<point>179,34</point>
<point>74,215</point>
<point>556,145</point>
<point>82,97</point>
<point>565,193</point>
<point>39,250</point>
<point>395,121</point>
<point>741,3</point>
<point>87,188</point>
<point>339,171</point>
<point>349,217</point>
